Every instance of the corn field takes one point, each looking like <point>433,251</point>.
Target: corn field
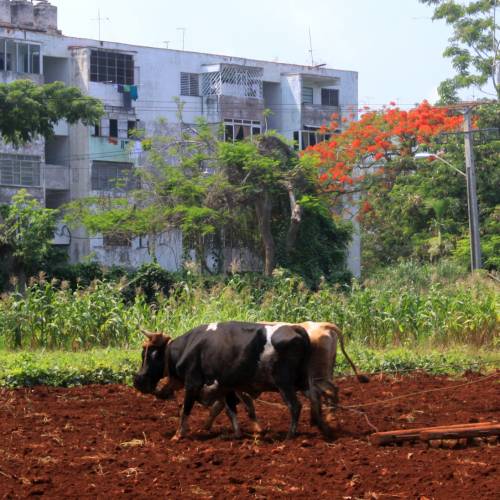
<point>407,307</point>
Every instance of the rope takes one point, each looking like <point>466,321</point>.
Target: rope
<point>411,394</point>
<point>396,398</point>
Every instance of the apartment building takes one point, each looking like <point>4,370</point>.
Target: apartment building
<point>138,86</point>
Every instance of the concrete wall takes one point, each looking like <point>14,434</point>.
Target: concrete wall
<point>45,16</point>
<point>56,177</point>
<point>6,193</point>
<point>22,13</point>
<point>168,251</point>
<point>5,16</point>
<point>272,101</point>
<point>10,76</point>
<point>291,117</point>
<point>56,69</point>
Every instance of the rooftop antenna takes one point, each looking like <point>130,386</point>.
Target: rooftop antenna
<point>100,20</point>
<point>311,47</point>
<point>183,35</point>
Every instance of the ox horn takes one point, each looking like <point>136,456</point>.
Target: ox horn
<point>148,334</point>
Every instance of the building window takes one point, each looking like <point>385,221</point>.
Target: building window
<point>132,127</point>
<point>19,170</point>
<point>329,97</point>
<point>113,176</point>
<point>310,136</point>
<point>111,67</point>
<point>190,84</point>
<point>19,57</point>
<point>237,130</point>
<point>307,95</point>
<point>113,128</point>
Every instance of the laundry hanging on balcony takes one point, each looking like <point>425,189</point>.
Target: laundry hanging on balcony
<point>130,93</point>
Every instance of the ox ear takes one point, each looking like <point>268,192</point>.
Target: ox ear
<point>162,339</point>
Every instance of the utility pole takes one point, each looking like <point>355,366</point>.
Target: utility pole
<point>470,165</point>
<point>183,35</point>
<point>100,20</point>
<point>311,47</point>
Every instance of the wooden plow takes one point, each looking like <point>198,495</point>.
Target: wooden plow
<point>448,436</point>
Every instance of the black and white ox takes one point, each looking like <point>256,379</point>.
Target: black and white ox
<point>221,359</point>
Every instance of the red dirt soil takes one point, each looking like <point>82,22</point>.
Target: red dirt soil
<point>109,441</point>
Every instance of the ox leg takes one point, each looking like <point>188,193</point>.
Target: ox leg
<point>189,400</point>
<point>231,403</point>
<point>215,411</point>
<point>250,408</point>
<point>317,412</point>
<point>330,392</point>
<point>294,405</point>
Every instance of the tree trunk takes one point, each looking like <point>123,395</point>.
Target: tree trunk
<point>263,208</point>
<point>295,221</point>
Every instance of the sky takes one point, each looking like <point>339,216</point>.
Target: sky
<point>393,44</point>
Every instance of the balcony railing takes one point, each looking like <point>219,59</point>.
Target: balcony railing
<point>317,114</point>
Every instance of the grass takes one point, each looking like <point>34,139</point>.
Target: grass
<point>67,369</point>
<point>110,366</point>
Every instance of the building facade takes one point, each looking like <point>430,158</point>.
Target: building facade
<point>138,86</point>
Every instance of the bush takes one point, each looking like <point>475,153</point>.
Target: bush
<point>150,279</point>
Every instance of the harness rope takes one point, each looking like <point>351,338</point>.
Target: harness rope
<point>411,394</point>
<point>354,408</point>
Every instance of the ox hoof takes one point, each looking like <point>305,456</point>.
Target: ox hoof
<point>257,429</point>
<point>177,437</point>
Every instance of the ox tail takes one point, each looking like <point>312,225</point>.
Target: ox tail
<point>361,378</point>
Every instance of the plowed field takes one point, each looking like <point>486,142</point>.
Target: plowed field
<point>110,441</point>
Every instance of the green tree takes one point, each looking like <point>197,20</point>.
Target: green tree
<point>474,45</point>
<point>220,195</point>
<point>26,231</point>
<point>423,213</point>
<point>175,192</point>
<point>28,110</point>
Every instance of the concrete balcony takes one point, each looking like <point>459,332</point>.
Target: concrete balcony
<point>57,177</point>
<point>223,107</point>
<point>315,115</point>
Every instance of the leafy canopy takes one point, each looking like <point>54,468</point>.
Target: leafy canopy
<point>26,229</point>
<point>474,45</point>
<point>28,110</point>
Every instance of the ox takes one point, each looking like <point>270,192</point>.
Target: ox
<point>227,358</point>
<point>323,338</point>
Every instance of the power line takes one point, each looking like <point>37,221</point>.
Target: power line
<point>360,106</point>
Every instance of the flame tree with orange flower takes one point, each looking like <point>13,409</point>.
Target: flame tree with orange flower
<point>378,144</point>
<point>410,209</point>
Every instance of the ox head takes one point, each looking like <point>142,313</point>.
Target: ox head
<point>154,362</point>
